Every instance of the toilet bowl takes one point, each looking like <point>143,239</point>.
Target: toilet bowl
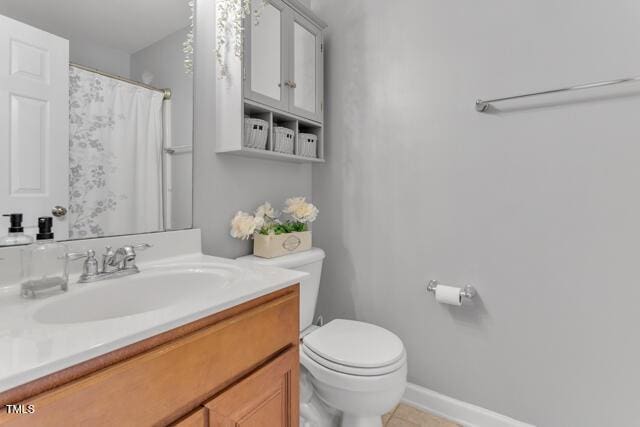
<point>357,368</point>
<point>358,371</point>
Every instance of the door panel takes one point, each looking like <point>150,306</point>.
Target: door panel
<point>34,123</point>
<point>267,397</point>
<point>306,69</point>
<point>265,48</point>
<point>198,418</point>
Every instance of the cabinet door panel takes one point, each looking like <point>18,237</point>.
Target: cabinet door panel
<point>267,397</point>
<point>306,69</point>
<point>198,418</point>
<point>266,53</point>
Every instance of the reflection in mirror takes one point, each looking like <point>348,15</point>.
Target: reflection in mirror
<point>304,68</point>
<point>98,129</point>
<point>265,50</point>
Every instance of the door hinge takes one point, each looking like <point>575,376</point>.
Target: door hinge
<point>244,72</point>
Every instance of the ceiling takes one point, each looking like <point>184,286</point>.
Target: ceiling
<point>127,25</point>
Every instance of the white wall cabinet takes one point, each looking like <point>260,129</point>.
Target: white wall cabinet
<point>283,59</point>
<point>279,79</point>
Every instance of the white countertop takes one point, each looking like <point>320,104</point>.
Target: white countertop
<point>30,349</point>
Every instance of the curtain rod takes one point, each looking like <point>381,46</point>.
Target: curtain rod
<point>166,92</point>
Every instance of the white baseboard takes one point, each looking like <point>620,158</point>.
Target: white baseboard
<point>462,413</point>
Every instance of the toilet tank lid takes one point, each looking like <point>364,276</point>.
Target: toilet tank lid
<point>293,261</point>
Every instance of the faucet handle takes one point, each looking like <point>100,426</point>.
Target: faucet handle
<point>90,266</point>
<point>73,256</point>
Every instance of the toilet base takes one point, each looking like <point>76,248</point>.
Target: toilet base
<point>349,420</point>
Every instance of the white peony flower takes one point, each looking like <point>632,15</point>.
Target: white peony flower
<point>300,210</point>
<point>266,212</point>
<point>244,225</point>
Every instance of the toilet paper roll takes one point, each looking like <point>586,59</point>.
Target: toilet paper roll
<point>448,295</point>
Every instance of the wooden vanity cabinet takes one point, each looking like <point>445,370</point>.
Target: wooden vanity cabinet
<point>240,369</point>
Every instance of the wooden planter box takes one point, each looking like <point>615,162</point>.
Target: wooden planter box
<point>272,246</point>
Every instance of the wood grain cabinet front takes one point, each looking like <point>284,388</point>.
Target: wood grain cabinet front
<point>198,418</point>
<point>267,397</point>
<point>244,367</point>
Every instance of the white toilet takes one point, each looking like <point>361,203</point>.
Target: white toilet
<point>358,370</point>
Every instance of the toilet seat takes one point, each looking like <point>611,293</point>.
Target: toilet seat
<point>355,348</point>
<point>354,383</point>
<point>351,370</point>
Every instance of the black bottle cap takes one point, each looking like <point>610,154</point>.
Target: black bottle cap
<point>44,228</point>
<point>16,222</point>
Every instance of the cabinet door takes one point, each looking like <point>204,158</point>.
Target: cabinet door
<point>266,54</point>
<point>305,69</point>
<point>267,397</point>
<point>198,418</point>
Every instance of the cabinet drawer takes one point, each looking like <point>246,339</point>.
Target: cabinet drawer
<point>161,385</point>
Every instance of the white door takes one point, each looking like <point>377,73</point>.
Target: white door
<point>34,124</point>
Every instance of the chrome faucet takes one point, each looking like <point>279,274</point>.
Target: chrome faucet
<point>120,263</point>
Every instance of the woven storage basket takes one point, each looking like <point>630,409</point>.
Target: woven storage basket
<point>307,145</point>
<point>284,139</point>
<point>255,133</point>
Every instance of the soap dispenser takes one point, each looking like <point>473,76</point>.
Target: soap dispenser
<point>44,263</point>
<point>16,234</point>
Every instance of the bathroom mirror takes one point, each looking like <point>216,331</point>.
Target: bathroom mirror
<point>304,42</point>
<point>96,111</point>
<point>266,63</point>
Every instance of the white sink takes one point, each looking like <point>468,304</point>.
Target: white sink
<point>153,289</point>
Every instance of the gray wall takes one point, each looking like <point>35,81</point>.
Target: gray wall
<point>224,183</point>
<point>89,54</point>
<point>537,207</point>
<point>165,60</point>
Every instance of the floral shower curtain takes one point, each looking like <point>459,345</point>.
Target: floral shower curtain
<point>115,157</point>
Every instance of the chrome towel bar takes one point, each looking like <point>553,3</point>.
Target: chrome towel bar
<point>482,105</point>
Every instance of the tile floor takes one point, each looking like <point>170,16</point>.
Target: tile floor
<point>408,416</point>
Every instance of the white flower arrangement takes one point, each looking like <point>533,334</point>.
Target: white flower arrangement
<point>266,220</point>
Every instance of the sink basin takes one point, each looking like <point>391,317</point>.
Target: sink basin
<point>153,289</point>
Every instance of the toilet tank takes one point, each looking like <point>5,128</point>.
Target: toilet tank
<point>308,261</point>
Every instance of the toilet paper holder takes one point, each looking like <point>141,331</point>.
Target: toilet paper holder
<point>466,292</point>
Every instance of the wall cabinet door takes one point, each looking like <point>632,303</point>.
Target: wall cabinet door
<point>305,68</point>
<point>267,397</point>
<point>266,54</point>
